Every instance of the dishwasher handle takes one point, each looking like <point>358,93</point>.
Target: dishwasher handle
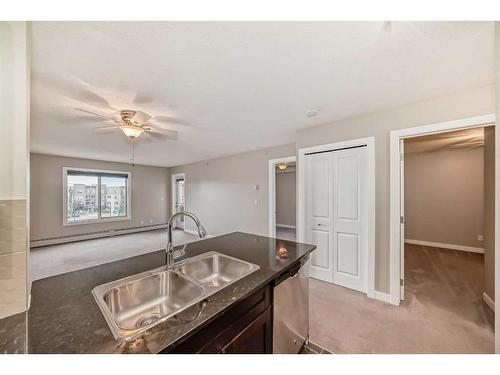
<point>288,274</point>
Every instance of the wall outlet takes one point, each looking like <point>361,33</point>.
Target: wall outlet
<point>256,202</point>
<point>162,198</point>
<point>480,237</point>
<point>150,221</point>
<point>142,222</point>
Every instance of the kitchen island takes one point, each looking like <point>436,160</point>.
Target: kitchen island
<point>65,318</point>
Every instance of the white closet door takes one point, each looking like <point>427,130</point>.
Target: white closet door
<point>319,214</point>
<point>350,214</point>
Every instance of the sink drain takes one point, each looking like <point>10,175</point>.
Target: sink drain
<point>147,320</point>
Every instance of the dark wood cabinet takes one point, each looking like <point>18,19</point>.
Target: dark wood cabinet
<point>254,339</point>
<point>245,328</point>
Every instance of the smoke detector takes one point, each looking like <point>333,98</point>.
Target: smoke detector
<point>313,112</point>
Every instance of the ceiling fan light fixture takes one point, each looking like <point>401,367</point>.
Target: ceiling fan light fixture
<point>282,166</point>
<point>132,131</point>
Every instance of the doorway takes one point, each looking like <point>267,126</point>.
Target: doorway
<point>336,211</point>
<point>282,198</point>
<point>179,198</point>
<point>397,194</point>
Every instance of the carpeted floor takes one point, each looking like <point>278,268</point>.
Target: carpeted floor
<point>56,259</point>
<point>443,311</point>
<point>285,233</point>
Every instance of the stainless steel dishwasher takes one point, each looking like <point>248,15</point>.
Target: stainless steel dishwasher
<point>291,309</point>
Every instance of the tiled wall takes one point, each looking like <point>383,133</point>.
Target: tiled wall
<point>13,257</point>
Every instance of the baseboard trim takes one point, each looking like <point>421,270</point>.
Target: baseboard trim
<point>195,233</point>
<point>489,302</point>
<point>286,226</point>
<point>381,296</point>
<point>470,249</point>
<point>82,237</point>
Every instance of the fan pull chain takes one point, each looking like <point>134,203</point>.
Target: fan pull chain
<point>133,153</point>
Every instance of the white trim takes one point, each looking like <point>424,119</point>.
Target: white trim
<point>83,237</point>
<point>286,226</point>
<point>489,302</point>
<point>394,197</point>
<point>195,233</point>
<point>191,231</point>
<point>301,191</point>
<point>381,296</point>
<point>470,249</point>
<point>13,198</point>
<point>100,220</point>
<point>272,191</point>
<point>174,177</point>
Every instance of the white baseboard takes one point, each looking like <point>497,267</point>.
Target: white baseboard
<point>195,233</point>
<point>489,301</point>
<point>470,249</point>
<point>286,226</point>
<point>91,236</point>
<point>381,296</point>
<point>190,231</point>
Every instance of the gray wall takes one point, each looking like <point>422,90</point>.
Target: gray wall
<point>466,104</point>
<point>489,211</point>
<point>222,191</point>
<point>444,196</point>
<point>285,198</point>
<point>150,189</point>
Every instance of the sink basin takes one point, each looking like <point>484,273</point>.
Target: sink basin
<point>214,270</point>
<point>136,303</point>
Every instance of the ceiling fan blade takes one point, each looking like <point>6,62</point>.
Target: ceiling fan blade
<point>72,87</point>
<point>162,133</point>
<point>141,117</point>
<point>97,114</point>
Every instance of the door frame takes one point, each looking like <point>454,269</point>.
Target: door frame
<point>173,189</point>
<point>272,192</point>
<point>394,191</point>
<point>301,198</point>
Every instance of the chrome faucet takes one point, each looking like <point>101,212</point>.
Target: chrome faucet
<point>170,255</point>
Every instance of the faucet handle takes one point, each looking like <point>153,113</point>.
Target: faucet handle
<point>180,252</point>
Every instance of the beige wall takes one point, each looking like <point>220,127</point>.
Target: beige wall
<point>489,211</point>
<point>497,200</point>
<point>222,191</point>
<point>466,104</point>
<point>285,198</point>
<point>14,124</point>
<point>150,187</point>
<point>444,196</point>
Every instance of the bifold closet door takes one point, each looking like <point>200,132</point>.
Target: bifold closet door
<point>350,229</point>
<point>336,216</point>
<point>319,213</point>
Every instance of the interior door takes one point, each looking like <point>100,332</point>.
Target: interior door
<point>402,220</point>
<point>350,224</point>
<point>180,206</point>
<point>319,213</point>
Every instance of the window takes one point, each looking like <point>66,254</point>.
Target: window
<point>94,196</point>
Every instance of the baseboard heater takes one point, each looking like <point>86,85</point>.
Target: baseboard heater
<point>94,235</point>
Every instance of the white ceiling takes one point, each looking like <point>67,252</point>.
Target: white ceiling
<point>236,86</point>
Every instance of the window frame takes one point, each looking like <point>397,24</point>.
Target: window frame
<point>99,220</point>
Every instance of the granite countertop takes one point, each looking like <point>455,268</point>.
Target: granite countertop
<point>64,317</point>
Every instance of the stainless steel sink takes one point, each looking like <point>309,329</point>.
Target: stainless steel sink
<point>136,303</point>
<point>214,270</point>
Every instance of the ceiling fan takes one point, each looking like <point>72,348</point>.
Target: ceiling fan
<point>133,124</point>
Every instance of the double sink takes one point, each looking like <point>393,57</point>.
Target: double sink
<point>135,304</point>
